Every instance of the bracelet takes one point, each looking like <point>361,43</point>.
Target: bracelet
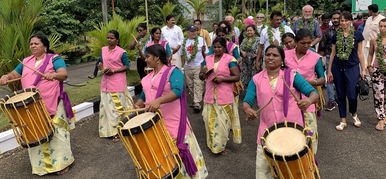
<point>316,82</point>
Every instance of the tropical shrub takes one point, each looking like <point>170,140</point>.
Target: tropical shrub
<point>17,19</point>
<point>126,29</point>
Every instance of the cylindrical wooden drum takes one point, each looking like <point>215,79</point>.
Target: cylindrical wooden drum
<point>28,116</point>
<point>150,145</point>
<point>287,147</point>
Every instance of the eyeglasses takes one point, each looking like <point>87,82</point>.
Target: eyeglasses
<point>139,30</point>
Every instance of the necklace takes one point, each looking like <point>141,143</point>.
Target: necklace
<point>192,50</point>
<point>309,26</point>
<point>380,52</point>
<point>248,43</point>
<point>270,33</point>
<point>344,51</point>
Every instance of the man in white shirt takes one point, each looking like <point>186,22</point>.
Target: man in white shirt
<point>273,35</point>
<point>212,35</point>
<point>173,34</point>
<point>371,29</point>
<point>193,51</point>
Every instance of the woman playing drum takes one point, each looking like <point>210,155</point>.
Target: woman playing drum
<point>309,64</point>
<point>270,84</point>
<point>169,103</point>
<point>114,94</point>
<point>55,155</point>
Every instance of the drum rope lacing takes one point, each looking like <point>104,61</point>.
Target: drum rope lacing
<point>140,170</point>
<point>20,129</point>
<point>273,161</point>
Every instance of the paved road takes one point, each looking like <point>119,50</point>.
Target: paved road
<point>352,153</point>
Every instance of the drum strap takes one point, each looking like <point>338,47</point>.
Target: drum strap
<point>63,95</point>
<point>183,147</point>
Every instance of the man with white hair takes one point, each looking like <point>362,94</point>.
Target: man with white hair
<point>310,23</point>
<point>236,30</point>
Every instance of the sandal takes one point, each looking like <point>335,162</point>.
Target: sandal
<point>357,122</point>
<point>115,139</point>
<point>341,126</point>
<point>65,170</point>
<point>380,126</point>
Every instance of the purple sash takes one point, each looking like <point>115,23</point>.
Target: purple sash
<point>229,46</point>
<point>287,78</point>
<point>63,95</point>
<point>185,154</point>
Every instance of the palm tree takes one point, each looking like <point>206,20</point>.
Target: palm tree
<point>199,6</point>
<point>126,29</point>
<point>17,20</point>
<point>166,10</point>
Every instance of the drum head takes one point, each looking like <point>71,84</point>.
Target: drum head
<point>27,96</point>
<point>142,120</point>
<point>20,97</point>
<point>286,141</point>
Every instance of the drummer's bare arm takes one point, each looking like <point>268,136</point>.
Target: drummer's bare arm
<point>60,74</point>
<point>305,103</point>
<point>249,101</point>
<point>12,75</point>
<point>305,88</point>
<point>140,103</point>
<point>169,97</point>
<point>251,114</point>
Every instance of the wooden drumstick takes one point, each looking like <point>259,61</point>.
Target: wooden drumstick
<point>133,110</point>
<point>261,109</point>
<point>16,79</point>
<point>36,71</point>
<point>289,89</point>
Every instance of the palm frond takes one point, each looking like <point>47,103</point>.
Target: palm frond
<point>126,29</point>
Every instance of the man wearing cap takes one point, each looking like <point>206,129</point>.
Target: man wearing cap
<point>202,32</point>
<point>193,53</point>
<point>174,36</point>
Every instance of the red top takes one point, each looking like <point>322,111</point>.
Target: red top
<point>324,28</point>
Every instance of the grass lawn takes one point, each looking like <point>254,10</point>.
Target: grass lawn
<point>80,94</point>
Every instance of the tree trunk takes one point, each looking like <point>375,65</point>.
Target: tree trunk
<point>104,11</point>
<point>243,7</point>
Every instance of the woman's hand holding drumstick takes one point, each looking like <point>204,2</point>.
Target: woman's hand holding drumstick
<point>34,70</point>
<point>252,114</point>
<point>16,79</point>
<point>302,104</point>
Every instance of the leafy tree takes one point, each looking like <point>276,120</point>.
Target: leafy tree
<point>126,29</point>
<point>199,6</point>
<point>58,17</point>
<point>17,19</point>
